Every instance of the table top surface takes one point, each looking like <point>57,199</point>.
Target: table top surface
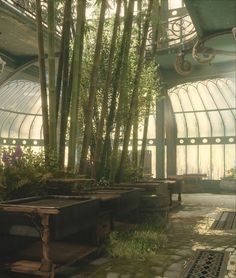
<point>51,204</point>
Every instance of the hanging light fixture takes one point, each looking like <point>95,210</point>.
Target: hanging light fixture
<point>2,65</point>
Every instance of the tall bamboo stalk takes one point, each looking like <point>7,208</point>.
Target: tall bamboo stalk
<point>76,69</point>
<point>51,75</point>
<point>134,96</point>
<point>92,90</point>
<point>126,39</point>
<point>145,131</point>
<point>98,145</point>
<point>136,117</point>
<point>64,75</point>
<point>42,77</point>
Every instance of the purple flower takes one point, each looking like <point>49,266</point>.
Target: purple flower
<point>6,158</point>
<point>17,154</point>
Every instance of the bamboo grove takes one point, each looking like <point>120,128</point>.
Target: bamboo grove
<point>100,85</point>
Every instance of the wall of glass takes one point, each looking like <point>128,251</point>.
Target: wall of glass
<point>20,113</point>
<point>205,115</point>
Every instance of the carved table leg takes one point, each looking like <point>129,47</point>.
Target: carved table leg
<point>46,263</point>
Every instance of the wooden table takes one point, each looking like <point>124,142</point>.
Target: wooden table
<point>43,257</point>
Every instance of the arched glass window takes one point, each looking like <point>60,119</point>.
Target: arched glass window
<point>20,113</point>
<point>205,116</point>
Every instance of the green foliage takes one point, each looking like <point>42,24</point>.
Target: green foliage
<point>231,173</point>
<point>24,172</point>
<point>142,242</point>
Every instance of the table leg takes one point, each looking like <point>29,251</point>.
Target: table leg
<point>46,263</point>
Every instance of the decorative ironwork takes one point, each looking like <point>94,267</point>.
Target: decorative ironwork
<point>207,264</point>
<point>173,32</point>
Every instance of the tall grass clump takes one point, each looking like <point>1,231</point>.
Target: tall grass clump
<point>141,242</point>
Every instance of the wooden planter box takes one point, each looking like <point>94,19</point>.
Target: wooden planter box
<point>49,222</point>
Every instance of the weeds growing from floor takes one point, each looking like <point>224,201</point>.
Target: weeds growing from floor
<point>141,242</point>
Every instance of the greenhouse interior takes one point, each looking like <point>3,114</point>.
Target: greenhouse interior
<point>117,138</point>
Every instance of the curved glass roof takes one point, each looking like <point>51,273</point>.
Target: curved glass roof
<point>205,109</point>
<point>205,115</point>
<point>20,111</point>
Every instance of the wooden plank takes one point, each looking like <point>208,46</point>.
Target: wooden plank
<point>27,209</point>
<point>61,253</point>
<point>25,266</point>
<point>230,220</point>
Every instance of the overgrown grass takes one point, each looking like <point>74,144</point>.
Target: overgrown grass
<point>142,242</point>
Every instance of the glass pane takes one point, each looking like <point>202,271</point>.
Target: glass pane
<point>217,95</point>
<point>181,155</point>
<point>195,98</point>
<point>192,125</point>
<point>151,128</point>
<point>230,157</point>
<point>181,125</point>
<point>217,161</point>
<point>217,124</point>
<point>192,159</point>
<point>204,124</point>
<point>227,89</point>
<point>230,123</point>
<point>175,102</point>
<point>184,99</point>
<point>204,160</point>
<point>205,96</point>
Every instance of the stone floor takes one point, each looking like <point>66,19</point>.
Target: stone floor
<point>188,230</point>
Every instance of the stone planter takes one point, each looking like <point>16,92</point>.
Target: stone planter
<point>228,185</point>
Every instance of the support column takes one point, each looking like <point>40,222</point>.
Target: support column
<point>171,138</point>
<point>160,135</point>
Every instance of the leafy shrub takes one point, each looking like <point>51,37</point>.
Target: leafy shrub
<point>23,172</point>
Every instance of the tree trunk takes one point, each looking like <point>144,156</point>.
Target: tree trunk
<point>98,145</point>
<point>51,76</point>
<point>92,90</point>
<point>42,77</point>
<point>134,96</point>
<point>76,69</point>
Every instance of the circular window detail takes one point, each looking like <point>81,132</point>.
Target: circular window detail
<point>150,142</point>
<point>4,141</point>
<point>181,141</point>
<point>13,142</point>
<point>231,140</point>
<point>24,142</point>
<point>174,12</point>
<point>204,140</point>
<point>35,142</point>
<point>192,141</point>
<point>218,140</point>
